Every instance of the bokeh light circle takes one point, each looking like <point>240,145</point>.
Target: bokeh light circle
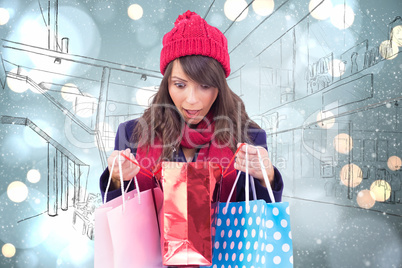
<point>325,124</point>
<point>263,7</point>
<point>17,85</point>
<point>365,199</point>
<point>323,11</point>
<point>4,16</point>
<point>17,191</point>
<point>351,175</point>
<point>388,50</point>
<point>394,163</point>
<point>8,250</point>
<point>69,92</point>
<point>343,143</point>
<point>233,8</point>
<point>342,16</point>
<point>380,190</point>
<point>135,12</point>
<point>396,34</point>
<point>33,176</point>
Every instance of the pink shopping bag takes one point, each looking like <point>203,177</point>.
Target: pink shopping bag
<point>127,232</point>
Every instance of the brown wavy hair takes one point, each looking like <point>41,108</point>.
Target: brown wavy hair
<point>163,120</point>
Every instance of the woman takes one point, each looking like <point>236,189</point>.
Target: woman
<point>194,116</point>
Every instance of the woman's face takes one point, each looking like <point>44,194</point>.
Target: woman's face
<point>193,100</point>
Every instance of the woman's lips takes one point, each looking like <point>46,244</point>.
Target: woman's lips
<point>191,113</point>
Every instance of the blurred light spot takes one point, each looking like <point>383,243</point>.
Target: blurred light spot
<point>69,92</point>
<point>17,85</point>
<point>4,16</point>
<point>343,143</point>
<point>17,191</point>
<point>33,176</point>
<point>326,124</point>
<point>336,68</point>
<point>85,106</point>
<point>135,12</point>
<point>112,107</point>
<point>351,175</point>
<point>396,35</point>
<point>33,139</point>
<point>388,50</point>
<point>342,16</point>
<point>394,163</point>
<point>365,200</point>
<point>107,136</point>
<point>41,79</point>
<point>233,8</point>
<point>144,96</point>
<point>323,11</point>
<point>8,250</point>
<point>380,190</point>
<point>263,7</point>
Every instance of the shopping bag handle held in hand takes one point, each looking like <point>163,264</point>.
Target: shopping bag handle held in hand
<point>266,180</point>
<point>123,192</point>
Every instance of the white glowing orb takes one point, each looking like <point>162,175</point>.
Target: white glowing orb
<point>17,85</point>
<point>144,96</point>
<point>388,50</point>
<point>394,163</point>
<point>343,143</point>
<point>33,176</point>
<point>336,68</point>
<point>323,11</point>
<point>135,12</point>
<point>85,106</point>
<point>4,16</point>
<point>39,82</point>
<point>342,16</point>
<point>107,137</point>
<point>351,175</point>
<point>365,200</point>
<point>263,7</point>
<point>233,8</point>
<point>325,124</point>
<point>396,35</point>
<point>69,92</point>
<point>380,190</point>
<point>8,250</point>
<point>17,191</point>
<point>35,33</point>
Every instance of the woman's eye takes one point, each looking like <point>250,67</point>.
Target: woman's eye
<point>179,85</point>
<point>205,86</point>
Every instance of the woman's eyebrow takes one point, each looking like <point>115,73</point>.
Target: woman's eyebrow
<point>179,78</point>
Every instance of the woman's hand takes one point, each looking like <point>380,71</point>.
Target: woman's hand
<point>129,170</point>
<point>254,167</point>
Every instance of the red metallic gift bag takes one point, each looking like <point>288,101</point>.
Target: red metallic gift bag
<point>190,190</point>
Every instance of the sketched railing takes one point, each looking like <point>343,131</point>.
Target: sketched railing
<point>62,165</point>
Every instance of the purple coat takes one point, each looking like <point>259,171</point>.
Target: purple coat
<point>257,136</point>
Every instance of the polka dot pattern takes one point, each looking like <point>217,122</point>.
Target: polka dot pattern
<point>258,236</point>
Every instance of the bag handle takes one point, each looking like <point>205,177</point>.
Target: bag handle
<point>247,181</point>
<point>266,180</point>
<point>123,192</point>
<point>247,184</point>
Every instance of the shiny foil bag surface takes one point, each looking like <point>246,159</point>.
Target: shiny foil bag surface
<point>190,196</point>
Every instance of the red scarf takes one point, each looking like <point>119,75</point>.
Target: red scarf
<point>199,137</point>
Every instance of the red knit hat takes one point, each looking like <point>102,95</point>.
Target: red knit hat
<point>192,35</point>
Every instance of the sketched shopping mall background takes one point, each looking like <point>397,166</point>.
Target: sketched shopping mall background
<point>322,77</point>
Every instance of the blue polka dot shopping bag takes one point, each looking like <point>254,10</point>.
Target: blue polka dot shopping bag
<point>252,233</point>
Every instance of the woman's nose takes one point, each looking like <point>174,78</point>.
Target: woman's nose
<point>191,95</point>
